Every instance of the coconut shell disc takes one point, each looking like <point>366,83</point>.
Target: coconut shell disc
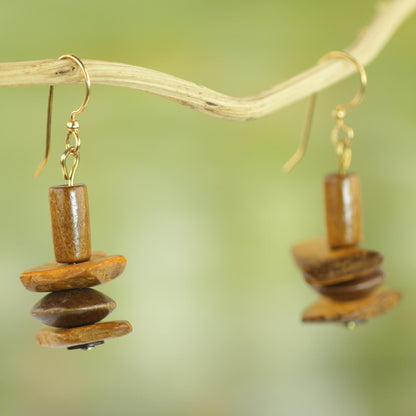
<point>74,307</point>
<point>53,276</point>
<point>322,265</point>
<point>352,289</point>
<point>88,334</point>
<point>326,310</point>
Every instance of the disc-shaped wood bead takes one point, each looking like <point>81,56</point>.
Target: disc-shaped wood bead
<point>327,310</point>
<point>343,278</point>
<point>343,210</point>
<point>353,289</point>
<point>70,223</point>
<point>323,266</point>
<point>53,276</point>
<point>74,307</point>
<point>62,338</point>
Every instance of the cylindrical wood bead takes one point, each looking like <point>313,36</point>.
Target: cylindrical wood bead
<point>343,210</point>
<point>70,223</point>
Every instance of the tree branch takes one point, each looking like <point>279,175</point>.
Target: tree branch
<point>46,72</point>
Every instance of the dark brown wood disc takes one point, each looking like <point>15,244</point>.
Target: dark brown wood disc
<point>322,265</point>
<point>53,276</point>
<point>353,289</point>
<point>63,338</point>
<point>74,307</point>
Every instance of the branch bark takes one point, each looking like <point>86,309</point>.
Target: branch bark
<point>371,41</point>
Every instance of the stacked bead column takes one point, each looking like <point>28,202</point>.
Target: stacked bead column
<point>73,307</point>
<point>358,277</point>
<point>348,276</point>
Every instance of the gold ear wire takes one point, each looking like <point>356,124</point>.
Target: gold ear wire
<point>73,113</point>
<point>342,148</point>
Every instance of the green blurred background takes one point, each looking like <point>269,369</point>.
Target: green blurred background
<point>204,215</point>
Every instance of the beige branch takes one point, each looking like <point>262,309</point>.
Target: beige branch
<point>388,18</point>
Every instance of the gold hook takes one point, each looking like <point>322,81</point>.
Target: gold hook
<point>73,114</point>
<point>339,113</point>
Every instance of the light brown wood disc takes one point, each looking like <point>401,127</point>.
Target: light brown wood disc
<point>327,310</point>
<point>322,265</point>
<point>53,276</point>
<point>62,338</point>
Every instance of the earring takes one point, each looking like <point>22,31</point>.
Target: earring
<point>348,277</point>
<point>72,306</point>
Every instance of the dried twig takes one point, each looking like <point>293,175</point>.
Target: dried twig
<point>389,16</point>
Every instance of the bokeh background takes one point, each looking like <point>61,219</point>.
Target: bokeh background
<point>204,215</point>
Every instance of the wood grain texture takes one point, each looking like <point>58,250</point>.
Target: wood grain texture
<point>343,210</point>
<point>70,219</point>
<point>74,307</point>
<point>380,301</point>
<point>54,276</point>
<point>323,266</point>
<point>62,338</point>
<point>369,43</point>
<point>353,289</point>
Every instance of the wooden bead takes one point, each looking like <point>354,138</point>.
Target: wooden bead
<point>343,210</point>
<point>327,310</point>
<point>74,307</point>
<point>53,276</point>
<point>323,266</point>
<point>62,338</point>
<point>353,289</point>
<point>70,223</point>
<point>345,278</point>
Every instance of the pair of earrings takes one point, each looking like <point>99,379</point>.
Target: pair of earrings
<point>72,307</point>
<point>348,277</point>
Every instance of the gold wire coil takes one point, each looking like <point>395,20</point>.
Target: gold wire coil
<point>71,151</point>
